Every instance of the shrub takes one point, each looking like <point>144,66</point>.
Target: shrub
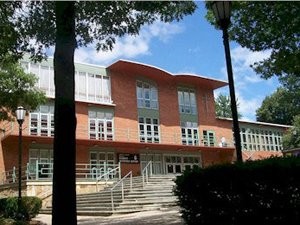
<point>30,207</point>
<point>258,192</point>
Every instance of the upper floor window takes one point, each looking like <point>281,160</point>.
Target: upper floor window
<point>187,101</point>
<point>189,133</point>
<point>148,130</point>
<point>101,125</point>
<point>261,139</point>
<point>92,87</point>
<point>88,86</point>
<point>42,121</point>
<point>45,75</point>
<point>209,138</point>
<point>146,95</point>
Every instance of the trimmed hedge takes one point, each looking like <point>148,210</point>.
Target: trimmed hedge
<point>30,207</point>
<point>263,192</point>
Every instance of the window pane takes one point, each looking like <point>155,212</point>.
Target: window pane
<point>106,89</point>
<point>146,95</point>
<point>91,90</point>
<point>98,88</point>
<point>81,86</point>
<point>44,78</point>
<point>51,80</point>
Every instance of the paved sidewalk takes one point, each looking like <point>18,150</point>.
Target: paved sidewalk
<point>157,217</point>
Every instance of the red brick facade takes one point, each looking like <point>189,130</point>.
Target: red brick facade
<point>123,78</point>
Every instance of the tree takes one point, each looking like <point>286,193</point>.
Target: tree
<point>291,139</point>
<point>17,88</point>
<point>69,25</point>
<point>280,107</point>
<point>273,26</point>
<point>223,108</point>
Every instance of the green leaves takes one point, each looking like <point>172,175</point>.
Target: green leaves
<point>292,138</point>
<point>270,25</point>
<point>280,107</point>
<point>223,106</point>
<point>267,25</point>
<point>17,88</point>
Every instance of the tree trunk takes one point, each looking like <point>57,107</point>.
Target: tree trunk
<point>64,180</point>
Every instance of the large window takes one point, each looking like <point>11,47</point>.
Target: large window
<point>88,86</point>
<point>101,125</point>
<point>42,121</point>
<point>189,133</point>
<point>209,138</point>
<point>45,75</point>
<point>261,139</point>
<point>146,95</point>
<point>148,130</point>
<point>41,160</point>
<point>187,101</point>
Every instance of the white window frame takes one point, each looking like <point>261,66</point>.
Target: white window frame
<point>149,132</point>
<point>142,101</point>
<point>189,133</point>
<point>101,131</point>
<point>209,139</point>
<point>187,101</point>
<point>46,131</point>
<point>101,94</point>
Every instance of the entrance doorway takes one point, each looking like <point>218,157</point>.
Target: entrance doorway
<point>156,162</point>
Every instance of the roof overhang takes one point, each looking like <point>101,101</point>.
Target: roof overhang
<point>156,74</point>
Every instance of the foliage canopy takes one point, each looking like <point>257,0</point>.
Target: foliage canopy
<point>223,106</point>
<point>33,26</point>
<point>17,88</point>
<point>280,107</point>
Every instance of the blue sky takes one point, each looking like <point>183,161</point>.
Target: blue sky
<point>191,46</point>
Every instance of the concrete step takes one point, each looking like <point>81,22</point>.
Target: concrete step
<point>157,193</point>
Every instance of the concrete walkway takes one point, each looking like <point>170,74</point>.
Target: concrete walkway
<point>169,216</point>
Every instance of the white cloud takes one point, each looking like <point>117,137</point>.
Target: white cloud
<point>246,81</point>
<point>130,46</point>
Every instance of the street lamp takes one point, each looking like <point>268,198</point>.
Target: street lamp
<point>20,114</point>
<point>222,11</point>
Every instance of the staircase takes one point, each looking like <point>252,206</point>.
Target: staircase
<point>157,193</point>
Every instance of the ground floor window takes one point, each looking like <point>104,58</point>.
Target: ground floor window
<point>179,163</point>
<point>40,163</point>
<point>101,162</point>
<point>169,164</point>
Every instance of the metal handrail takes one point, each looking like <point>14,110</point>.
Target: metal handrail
<point>145,173</point>
<point>106,175</point>
<point>122,188</point>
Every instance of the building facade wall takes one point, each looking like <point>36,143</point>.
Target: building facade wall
<point>215,139</point>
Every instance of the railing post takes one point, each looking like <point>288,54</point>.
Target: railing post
<point>105,169</point>
<point>120,175</point>
<point>151,167</point>
<point>112,200</point>
<point>14,174</point>
<point>131,181</point>
<point>27,171</point>
<point>37,170</point>
<point>122,191</point>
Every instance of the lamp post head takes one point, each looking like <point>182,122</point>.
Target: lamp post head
<point>20,114</point>
<point>222,12</point>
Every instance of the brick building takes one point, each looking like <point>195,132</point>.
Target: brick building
<point>131,113</point>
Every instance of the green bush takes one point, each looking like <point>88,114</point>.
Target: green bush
<point>259,192</point>
<point>30,207</point>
